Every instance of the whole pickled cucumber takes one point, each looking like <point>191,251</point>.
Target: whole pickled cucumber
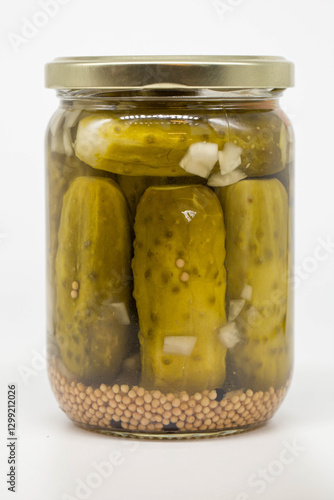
<point>93,278</point>
<point>61,171</point>
<point>180,282</point>
<point>139,146</point>
<point>257,225</point>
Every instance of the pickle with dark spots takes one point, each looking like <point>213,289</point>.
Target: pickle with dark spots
<point>262,135</point>
<point>61,171</point>
<point>257,226</point>
<point>179,287</point>
<point>262,363</point>
<point>146,145</point>
<point>93,279</point>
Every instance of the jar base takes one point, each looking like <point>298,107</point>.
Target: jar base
<point>169,436</point>
<point>114,410</point>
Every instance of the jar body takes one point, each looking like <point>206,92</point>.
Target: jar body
<point>169,252</point>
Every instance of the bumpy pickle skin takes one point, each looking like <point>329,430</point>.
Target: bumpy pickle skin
<point>134,187</point>
<point>92,275</point>
<point>140,146</point>
<point>61,171</point>
<point>257,225</point>
<point>179,288</point>
<point>263,137</point>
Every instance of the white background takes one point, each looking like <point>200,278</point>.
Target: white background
<point>52,453</point>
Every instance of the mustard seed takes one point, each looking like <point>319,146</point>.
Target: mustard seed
<point>197,396</point>
<point>75,285</point>
<point>147,398</point>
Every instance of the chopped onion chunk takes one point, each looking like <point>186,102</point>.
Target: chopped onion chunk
<point>200,158</point>
<point>72,118</point>
<point>230,158</point>
<point>67,141</point>
<point>219,180</point>
<point>247,292</point>
<point>181,345</point>
<point>235,309</point>
<point>120,313</point>
<point>229,335</point>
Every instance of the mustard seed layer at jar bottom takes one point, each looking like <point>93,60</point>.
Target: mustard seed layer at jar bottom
<point>120,408</point>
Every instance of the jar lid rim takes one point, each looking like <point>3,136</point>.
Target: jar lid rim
<point>189,72</point>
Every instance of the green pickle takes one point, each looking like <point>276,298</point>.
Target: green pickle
<point>146,146</point>
<point>179,287</point>
<point>93,279</point>
<point>257,225</point>
<point>153,145</point>
<point>62,170</point>
<point>263,137</point>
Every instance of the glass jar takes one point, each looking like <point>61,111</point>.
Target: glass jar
<point>169,243</point>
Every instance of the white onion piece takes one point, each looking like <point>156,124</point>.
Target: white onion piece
<point>235,309</point>
<point>120,313</point>
<point>200,158</point>
<point>247,292</point>
<point>67,141</point>
<point>181,345</point>
<point>230,158</point>
<point>90,145</point>
<point>229,335</point>
<point>219,180</point>
<point>71,118</point>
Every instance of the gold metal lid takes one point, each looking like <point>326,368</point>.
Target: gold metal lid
<point>192,72</point>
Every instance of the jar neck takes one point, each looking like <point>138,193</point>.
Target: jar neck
<point>170,98</point>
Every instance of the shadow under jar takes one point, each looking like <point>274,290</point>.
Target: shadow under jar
<point>169,243</point>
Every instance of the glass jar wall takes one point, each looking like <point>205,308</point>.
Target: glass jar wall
<point>169,252</point>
